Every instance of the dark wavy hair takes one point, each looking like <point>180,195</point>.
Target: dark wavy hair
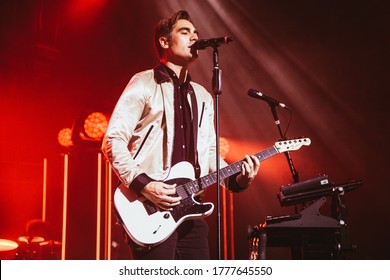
<point>164,29</point>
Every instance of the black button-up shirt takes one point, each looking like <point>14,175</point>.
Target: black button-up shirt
<point>183,147</point>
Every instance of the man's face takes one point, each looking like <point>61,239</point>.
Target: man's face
<point>183,36</point>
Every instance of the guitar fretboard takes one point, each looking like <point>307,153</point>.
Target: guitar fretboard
<point>202,183</point>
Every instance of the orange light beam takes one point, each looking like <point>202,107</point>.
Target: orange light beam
<point>108,211</point>
<point>231,226</point>
<point>224,223</point>
<point>65,205</point>
<point>99,205</point>
<point>44,189</point>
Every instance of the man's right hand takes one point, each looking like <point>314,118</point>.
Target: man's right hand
<point>161,195</point>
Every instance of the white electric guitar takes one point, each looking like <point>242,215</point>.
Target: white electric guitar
<point>147,225</point>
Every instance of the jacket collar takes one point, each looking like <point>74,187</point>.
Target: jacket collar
<point>161,74</point>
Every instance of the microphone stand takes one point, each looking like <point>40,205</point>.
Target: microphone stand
<point>216,86</point>
<point>295,251</point>
<point>294,172</point>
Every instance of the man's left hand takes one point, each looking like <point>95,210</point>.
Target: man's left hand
<point>249,170</point>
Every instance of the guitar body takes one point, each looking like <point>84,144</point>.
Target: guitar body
<point>148,226</point>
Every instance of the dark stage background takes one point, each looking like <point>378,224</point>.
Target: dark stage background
<point>327,60</point>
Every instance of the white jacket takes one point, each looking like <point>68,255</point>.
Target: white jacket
<point>140,135</point>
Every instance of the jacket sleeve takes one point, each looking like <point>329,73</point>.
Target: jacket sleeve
<point>126,114</point>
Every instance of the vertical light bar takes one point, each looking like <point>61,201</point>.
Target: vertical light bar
<point>99,205</point>
<point>108,212</point>
<point>44,189</point>
<point>224,223</point>
<point>231,225</point>
<point>64,207</point>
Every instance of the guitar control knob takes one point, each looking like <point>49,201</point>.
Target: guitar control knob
<point>166,215</point>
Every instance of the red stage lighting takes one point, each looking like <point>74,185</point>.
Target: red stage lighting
<point>65,137</point>
<point>89,129</point>
<point>95,125</point>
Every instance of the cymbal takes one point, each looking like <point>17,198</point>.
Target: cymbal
<point>31,239</point>
<point>6,245</point>
<point>50,243</point>
<point>8,249</point>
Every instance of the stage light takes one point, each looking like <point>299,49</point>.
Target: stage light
<point>65,137</point>
<point>88,129</point>
<point>95,126</point>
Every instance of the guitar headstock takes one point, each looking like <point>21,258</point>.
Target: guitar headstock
<point>292,144</point>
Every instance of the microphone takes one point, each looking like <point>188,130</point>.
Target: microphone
<point>213,42</point>
<point>272,102</point>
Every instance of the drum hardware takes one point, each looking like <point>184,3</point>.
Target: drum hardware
<point>50,250</point>
<point>37,248</point>
<point>29,247</point>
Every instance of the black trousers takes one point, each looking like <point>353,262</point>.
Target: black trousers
<point>188,242</point>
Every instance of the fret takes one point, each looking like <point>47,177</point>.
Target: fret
<point>206,181</point>
<point>267,153</point>
<point>192,187</point>
<point>264,155</point>
<point>229,171</point>
<point>213,177</point>
<point>223,174</point>
<point>238,166</point>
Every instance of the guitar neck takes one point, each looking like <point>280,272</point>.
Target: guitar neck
<point>230,170</point>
